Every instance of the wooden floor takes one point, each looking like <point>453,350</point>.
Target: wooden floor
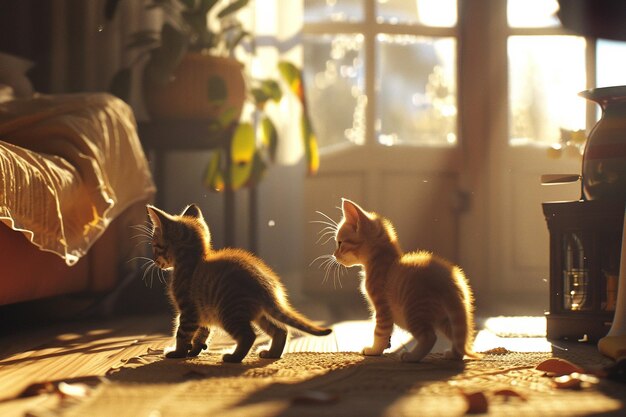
<point>71,351</point>
<point>85,350</point>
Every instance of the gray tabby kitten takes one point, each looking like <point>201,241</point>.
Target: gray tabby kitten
<point>230,288</point>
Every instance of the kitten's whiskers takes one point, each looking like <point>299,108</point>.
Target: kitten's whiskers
<point>144,232</point>
<point>149,269</point>
<point>323,222</point>
<point>329,263</point>
<point>328,217</point>
<point>318,258</point>
<point>143,228</point>
<point>329,231</point>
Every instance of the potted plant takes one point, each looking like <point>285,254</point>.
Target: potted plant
<point>189,67</point>
<point>191,72</point>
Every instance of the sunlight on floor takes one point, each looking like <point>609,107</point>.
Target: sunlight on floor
<point>522,326</point>
<point>518,334</point>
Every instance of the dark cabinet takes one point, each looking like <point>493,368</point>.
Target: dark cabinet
<point>585,248</point>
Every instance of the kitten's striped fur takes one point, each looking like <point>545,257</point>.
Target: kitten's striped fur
<point>230,288</point>
<point>418,291</point>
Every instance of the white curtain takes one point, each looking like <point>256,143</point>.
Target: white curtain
<point>87,49</point>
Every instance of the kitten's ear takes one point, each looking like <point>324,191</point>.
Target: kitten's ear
<point>353,214</point>
<point>193,210</point>
<point>157,216</point>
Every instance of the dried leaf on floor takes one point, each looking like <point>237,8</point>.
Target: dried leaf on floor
<point>69,388</point>
<point>558,367</point>
<point>476,402</point>
<point>497,351</point>
<point>575,380</point>
<point>35,389</point>
<point>509,393</point>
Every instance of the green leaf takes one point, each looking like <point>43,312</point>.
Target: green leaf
<point>227,117</point>
<point>240,174</point>
<point>260,96</point>
<point>311,151</point>
<point>237,176</point>
<point>272,88</point>
<point>213,177</point>
<point>217,91</point>
<point>232,8</point>
<point>120,84</point>
<point>258,170</point>
<point>291,75</point>
<point>269,136</point>
<point>243,145</point>
<point>267,90</point>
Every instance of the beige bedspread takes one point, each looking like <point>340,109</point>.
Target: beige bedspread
<point>69,164</point>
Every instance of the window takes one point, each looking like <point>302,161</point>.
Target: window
<point>546,72</point>
<point>395,62</point>
<point>610,64</point>
<point>382,72</point>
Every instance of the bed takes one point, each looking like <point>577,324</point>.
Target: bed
<point>74,179</point>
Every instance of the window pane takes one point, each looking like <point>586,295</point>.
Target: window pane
<point>334,76</point>
<point>533,13</point>
<point>316,11</point>
<point>611,63</point>
<point>546,73</point>
<point>416,85</point>
<point>440,13</point>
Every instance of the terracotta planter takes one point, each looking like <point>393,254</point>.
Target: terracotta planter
<point>187,96</point>
<point>604,159</point>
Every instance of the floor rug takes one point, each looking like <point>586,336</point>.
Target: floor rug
<point>346,384</point>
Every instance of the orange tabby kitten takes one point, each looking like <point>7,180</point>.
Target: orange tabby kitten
<point>230,288</point>
<point>418,291</point>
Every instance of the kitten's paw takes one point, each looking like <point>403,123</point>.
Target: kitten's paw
<point>266,354</point>
<point>176,354</point>
<point>230,358</point>
<point>195,351</point>
<point>370,351</point>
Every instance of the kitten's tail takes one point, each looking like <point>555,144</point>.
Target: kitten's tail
<point>292,318</point>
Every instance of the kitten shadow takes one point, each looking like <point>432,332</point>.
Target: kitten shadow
<point>370,387</point>
<point>155,368</point>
